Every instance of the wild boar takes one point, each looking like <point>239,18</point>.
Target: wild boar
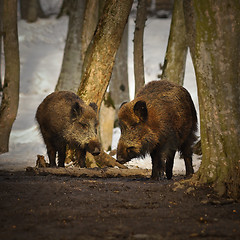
<point>160,121</point>
<point>64,119</point>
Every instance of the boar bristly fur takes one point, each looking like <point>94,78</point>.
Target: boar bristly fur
<point>64,119</point>
<point>160,121</point>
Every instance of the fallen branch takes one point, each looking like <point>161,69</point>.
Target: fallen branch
<point>92,173</point>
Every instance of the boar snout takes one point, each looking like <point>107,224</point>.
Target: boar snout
<point>125,153</point>
<point>121,159</point>
<point>94,147</point>
<point>96,151</point>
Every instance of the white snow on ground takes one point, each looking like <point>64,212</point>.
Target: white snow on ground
<point>41,51</point>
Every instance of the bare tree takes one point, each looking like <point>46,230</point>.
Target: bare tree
<point>65,8</point>
<point>70,74</point>
<point>119,87</point>
<point>10,99</point>
<point>31,10</point>
<point>138,45</point>
<point>213,30</point>
<point>99,60</point>
<point>176,54</point>
<point>82,24</point>
<point>1,44</point>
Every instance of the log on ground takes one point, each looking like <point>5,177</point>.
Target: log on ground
<point>91,172</point>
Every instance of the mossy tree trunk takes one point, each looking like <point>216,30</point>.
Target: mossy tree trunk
<point>10,99</point>
<point>99,60</point>
<point>176,54</point>
<point>138,45</point>
<point>213,33</point>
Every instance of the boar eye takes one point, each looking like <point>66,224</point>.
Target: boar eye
<point>130,149</point>
<point>83,125</point>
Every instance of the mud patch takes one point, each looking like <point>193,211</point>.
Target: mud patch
<point>53,207</point>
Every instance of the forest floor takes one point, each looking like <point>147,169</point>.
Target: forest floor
<point>53,207</point>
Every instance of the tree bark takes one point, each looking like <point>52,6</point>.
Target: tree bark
<point>10,99</point>
<point>65,8</point>
<point>119,92</point>
<point>176,54</point>
<point>106,122</point>
<point>70,74</point>
<point>138,45</point>
<point>213,33</point>
<point>119,87</point>
<point>99,60</point>
<point>1,45</point>
<point>92,173</point>
<point>90,21</point>
<point>31,10</point>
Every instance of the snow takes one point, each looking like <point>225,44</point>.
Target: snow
<point>41,51</point>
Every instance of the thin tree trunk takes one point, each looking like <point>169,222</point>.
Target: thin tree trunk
<point>70,74</point>
<point>31,10</point>
<point>65,8</point>
<point>138,45</point>
<point>9,105</point>
<point>213,33</point>
<point>119,87</point>
<point>1,44</point>
<point>176,54</point>
<point>82,24</point>
<point>89,24</point>
<point>118,93</point>
<point>101,53</point>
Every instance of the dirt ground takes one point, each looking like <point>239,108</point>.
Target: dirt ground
<point>53,207</point>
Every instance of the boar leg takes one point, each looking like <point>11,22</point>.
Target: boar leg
<point>188,165</point>
<point>61,155</point>
<point>186,152</point>
<point>157,164</point>
<point>81,157</point>
<point>169,163</point>
<point>51,151</point>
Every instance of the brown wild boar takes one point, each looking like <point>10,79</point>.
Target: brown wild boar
<point>159,121</point>
<point>64,119</point>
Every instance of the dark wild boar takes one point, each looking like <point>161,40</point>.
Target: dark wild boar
<point>160,120</point>
<point>64,119</point>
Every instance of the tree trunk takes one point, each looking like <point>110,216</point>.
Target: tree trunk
<point>106,122</point>
<point>119,87</point>
<point>213,33</point>
<point>82,24</point>
<point>90,21</point>
<point>176,54</point>
<point>65,8</point>
<point>31,10</point>
<point>138,45</point>
<point>9,105</point>
<point>70,74</point>
<point>100,55</point>
<point>1,45</point>
<point>119,91</point>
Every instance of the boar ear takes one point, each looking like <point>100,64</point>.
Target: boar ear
<point>76,111</point>
<point>122,104</point>
<point>93,106</point>
<point>140,109</point>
